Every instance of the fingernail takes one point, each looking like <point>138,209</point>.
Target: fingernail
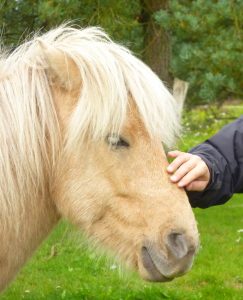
<point>181,184</point>
<point>169,168</point>
<point>173,178</point>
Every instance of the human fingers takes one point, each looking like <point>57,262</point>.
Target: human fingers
<point>200,170</point>
<point>181,158</point>
<point>197,186</point>
<point>174,153</point>
<point>185,168</point>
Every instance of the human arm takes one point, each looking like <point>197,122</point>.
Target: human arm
<point>223,155</point>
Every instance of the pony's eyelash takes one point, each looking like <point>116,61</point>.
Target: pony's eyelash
<point>117,141</point>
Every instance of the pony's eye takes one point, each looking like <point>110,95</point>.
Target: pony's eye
<point>116,141</point>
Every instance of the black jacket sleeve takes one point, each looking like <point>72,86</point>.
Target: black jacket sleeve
<point>223,154</point>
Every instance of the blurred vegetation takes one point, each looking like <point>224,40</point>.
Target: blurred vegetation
<point>206,36</point>
<point>119,18</point>
<point>207,43</point>
<point>202,122</point>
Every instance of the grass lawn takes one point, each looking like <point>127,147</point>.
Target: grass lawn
<point>65,268</point>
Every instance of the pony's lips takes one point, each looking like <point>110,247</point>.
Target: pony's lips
<point>160,266</point>
<point>150,267</point>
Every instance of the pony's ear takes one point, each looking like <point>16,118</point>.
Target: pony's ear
<point>62,69</point>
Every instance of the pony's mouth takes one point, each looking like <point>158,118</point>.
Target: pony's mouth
<point>150,267</point>
<point>159,266</point>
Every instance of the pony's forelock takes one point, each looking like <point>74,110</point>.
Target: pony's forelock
<point>111,75</point>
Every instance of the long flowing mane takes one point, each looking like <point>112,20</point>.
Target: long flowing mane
<point>111,76</point>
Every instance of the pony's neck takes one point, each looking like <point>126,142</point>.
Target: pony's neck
<point>21,237</point>
<point>27,133</point>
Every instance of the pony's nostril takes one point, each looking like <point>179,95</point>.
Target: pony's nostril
<point>178,245</point>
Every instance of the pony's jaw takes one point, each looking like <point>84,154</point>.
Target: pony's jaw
<point>159,249</point>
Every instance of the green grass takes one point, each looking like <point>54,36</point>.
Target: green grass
<point>73,271</point>
<point>77,273</point>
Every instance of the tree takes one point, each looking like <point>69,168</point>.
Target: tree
<point>157,48</point>
<point>20,18</point>
<point>199,41</point>
<point>207,47</point>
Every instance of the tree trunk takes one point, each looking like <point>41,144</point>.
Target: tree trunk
<point>157,50</point>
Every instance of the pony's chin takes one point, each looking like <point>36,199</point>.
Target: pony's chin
<point>154,276</point>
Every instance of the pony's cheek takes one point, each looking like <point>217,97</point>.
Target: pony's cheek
<point>83,201</point>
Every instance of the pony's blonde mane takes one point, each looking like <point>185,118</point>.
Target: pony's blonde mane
<point>111,76</point>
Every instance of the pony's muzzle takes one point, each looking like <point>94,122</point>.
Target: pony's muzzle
<point>174,259</point>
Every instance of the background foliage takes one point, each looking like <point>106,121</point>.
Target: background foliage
<point>119,18</point>
<point>206,36</point>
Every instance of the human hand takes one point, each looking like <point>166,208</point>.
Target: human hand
<point>188,171</point>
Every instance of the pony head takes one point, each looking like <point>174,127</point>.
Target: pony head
<point>112,118</point>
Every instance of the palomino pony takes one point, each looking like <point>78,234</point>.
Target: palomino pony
<point>82,128</point>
